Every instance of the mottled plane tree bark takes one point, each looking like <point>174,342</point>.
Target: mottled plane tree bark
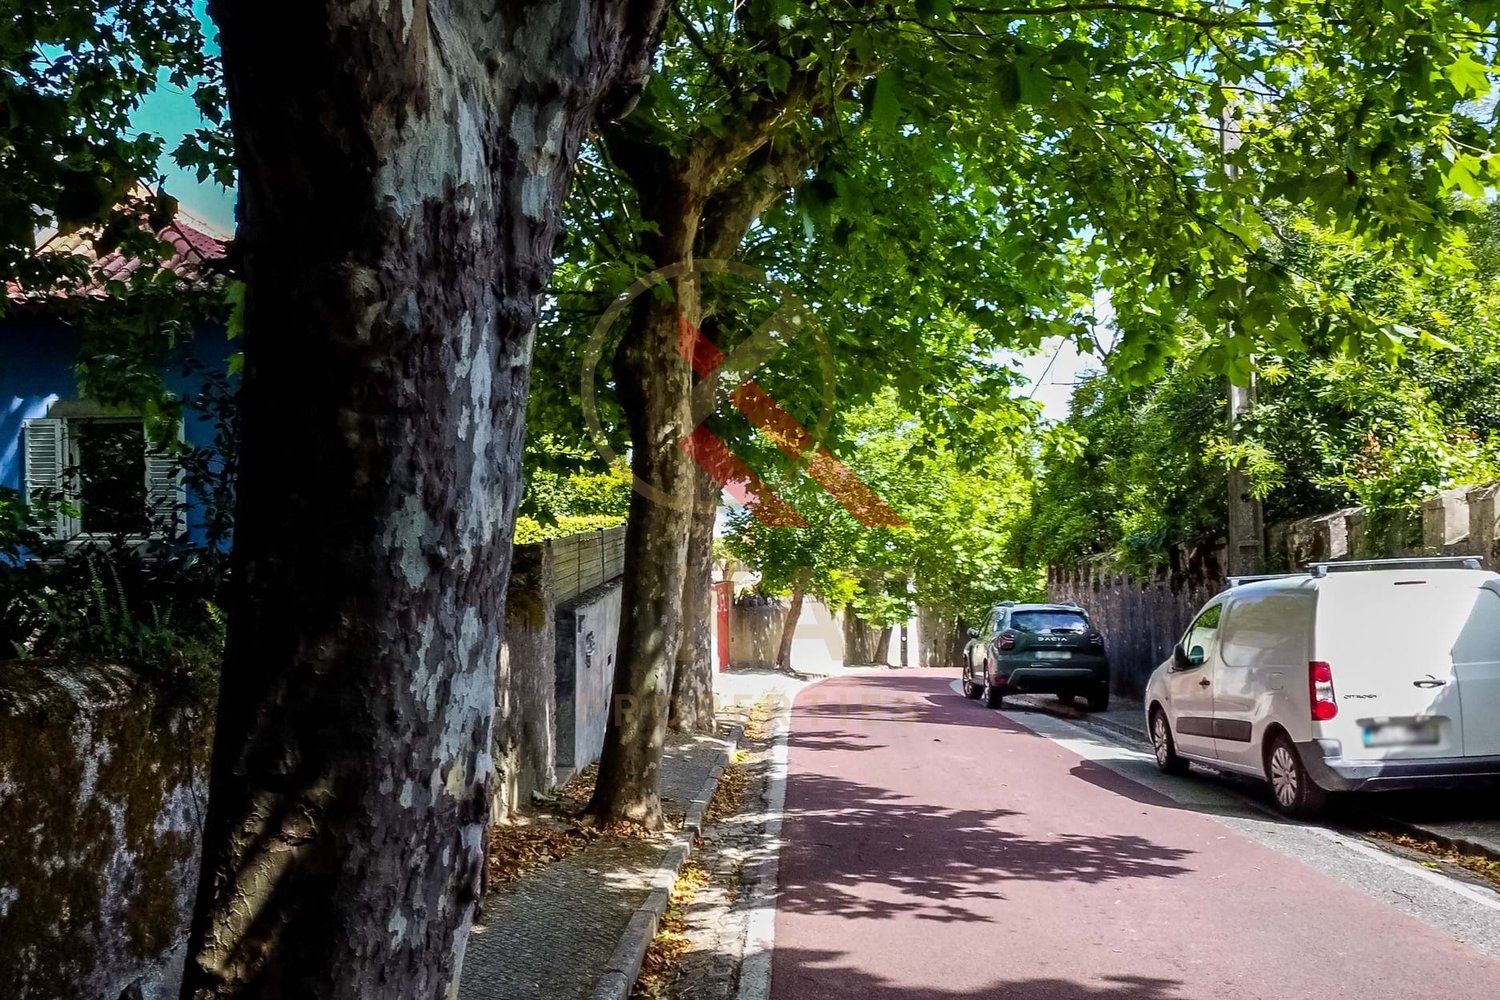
<point>401,170</point>
<point>692,704</point>
<point>701,201</point>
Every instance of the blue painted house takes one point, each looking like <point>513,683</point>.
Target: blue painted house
<point>55,444</point>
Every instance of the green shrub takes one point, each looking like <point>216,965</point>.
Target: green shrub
<point>151,611</point>
<point>529,529</point>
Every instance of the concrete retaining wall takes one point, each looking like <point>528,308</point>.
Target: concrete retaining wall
<point>102,785</point>
<point>557,665</point>
<point>587,631</point>
<point>756,624</point>
<point>941,640</point>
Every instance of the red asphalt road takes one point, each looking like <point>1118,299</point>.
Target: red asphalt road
<point>934,850</point>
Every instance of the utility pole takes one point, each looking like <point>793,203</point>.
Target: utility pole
<point>1246,518</point>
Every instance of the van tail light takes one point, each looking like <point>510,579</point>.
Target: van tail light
<point>1320,687</point>
<point>1007,640</point>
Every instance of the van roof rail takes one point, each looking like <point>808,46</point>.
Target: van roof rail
<point>1235,581</point>
<point>1413,562</point>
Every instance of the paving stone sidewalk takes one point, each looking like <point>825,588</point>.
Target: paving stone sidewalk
<point>550,935</point>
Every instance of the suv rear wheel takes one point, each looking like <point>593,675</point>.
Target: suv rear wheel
<point>1296,794</point>
<point>971,690</point>
<point>992,696</point>
<point>1099,699</point>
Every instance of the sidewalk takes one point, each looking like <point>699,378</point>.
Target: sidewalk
<point>552,933</point>
<point>1462,819</point>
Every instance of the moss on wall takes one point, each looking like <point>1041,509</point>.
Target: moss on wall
<point>101,784</point>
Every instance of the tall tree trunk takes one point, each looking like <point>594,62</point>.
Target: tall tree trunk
<point>789,630</point>
<point>400,199</point>
<point>692,708</point>
<point>882,652</point>
<point>655,387</point>
<point>697,212</point>
<point>858,640</point>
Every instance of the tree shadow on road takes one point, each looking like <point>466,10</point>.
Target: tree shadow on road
<point>899,857</point>
<point>826,975</point>
<point>831,740</point>
<point>889,699</point>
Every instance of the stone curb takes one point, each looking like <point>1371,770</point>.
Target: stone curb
<point>1457,843</point>
<point>625,964</point>
<point>1047,706</point>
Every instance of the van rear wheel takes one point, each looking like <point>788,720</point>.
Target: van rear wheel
<point>1164,746</point>
<point>1296,794</point>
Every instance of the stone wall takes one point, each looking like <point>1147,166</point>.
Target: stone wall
<point>1460,521</point>
<point>756,624</point>
<point>102,786</point>
<point>103,782</point>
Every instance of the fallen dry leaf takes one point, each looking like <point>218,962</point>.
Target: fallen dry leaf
<point>1486,868</point>
<point>729,797</point>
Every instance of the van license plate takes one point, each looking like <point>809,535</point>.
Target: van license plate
<point>1401,734</point>
<point>1053,654</point>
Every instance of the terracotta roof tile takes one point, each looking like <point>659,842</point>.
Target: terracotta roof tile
<point>196,249</point>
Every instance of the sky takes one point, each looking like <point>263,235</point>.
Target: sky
<point>170,113</point>
<point>1053,371</point>
<point>1050,375</point>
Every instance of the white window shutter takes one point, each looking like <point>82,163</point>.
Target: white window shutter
<point>46,465</point>
<point>165,494</point>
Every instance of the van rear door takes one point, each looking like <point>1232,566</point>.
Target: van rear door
<point>1476,661</point>
<point>1389,639</point>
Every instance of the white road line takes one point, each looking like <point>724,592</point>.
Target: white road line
<point>1483,897</point>
<point>760,931</point>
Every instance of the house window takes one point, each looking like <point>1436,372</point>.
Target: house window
<point>109,457</point>
<point>108,478</point>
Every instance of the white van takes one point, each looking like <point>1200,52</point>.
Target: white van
<point>1353,676</point>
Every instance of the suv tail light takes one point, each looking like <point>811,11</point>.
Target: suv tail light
<point>1095,639</point>
<point>1007,640</point>
<point>1320,689</point>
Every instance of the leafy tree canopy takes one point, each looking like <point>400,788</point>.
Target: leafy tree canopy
<point>940,180</point>
<point>74,71</point>
<point>951,557</point>
<point>1148,466</point>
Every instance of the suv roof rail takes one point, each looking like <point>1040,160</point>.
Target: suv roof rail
<point>1006,604</point>
<point>1235,581</point>
<point>1320,569</point>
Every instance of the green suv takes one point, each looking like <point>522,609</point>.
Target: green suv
<point>1038,649</point>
